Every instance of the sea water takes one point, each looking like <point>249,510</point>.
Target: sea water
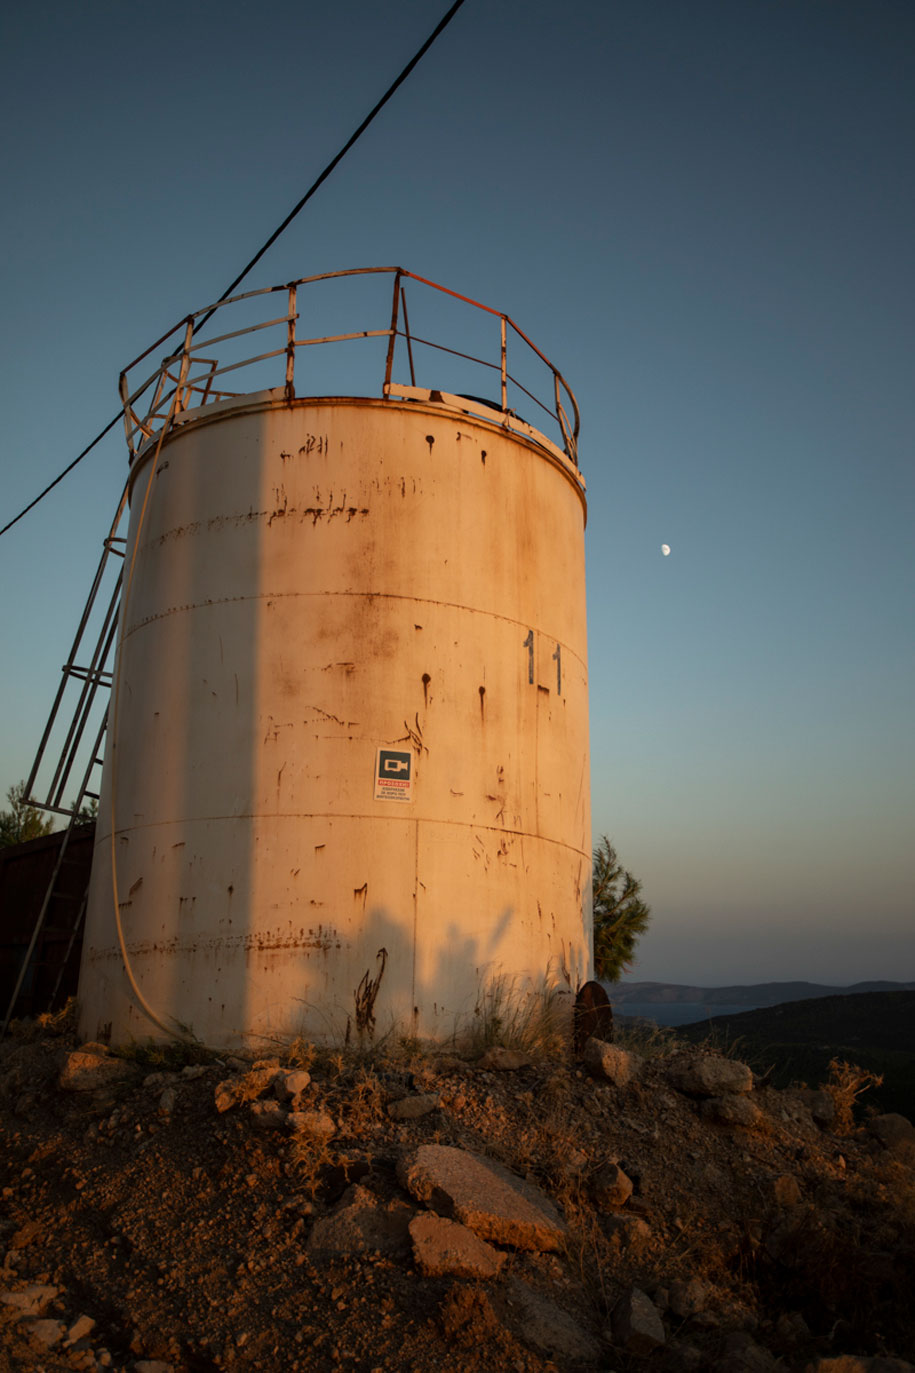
<point>676,1012</point>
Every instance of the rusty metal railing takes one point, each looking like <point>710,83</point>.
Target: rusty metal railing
<point>185,378</point>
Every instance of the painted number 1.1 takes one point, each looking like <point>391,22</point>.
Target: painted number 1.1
<point>556,658</point>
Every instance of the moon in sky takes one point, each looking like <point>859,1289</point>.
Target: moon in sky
<point>665,549</point>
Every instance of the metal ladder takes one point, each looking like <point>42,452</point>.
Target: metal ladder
<point>94,675</point>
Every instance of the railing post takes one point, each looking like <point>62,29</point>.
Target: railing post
<point>389,363</point>
<point>406,329</point>
<point>128,414</point>
<point>504,371</point>
<point>570,435</point>
<point>180,401</point>
<point>290,346</point>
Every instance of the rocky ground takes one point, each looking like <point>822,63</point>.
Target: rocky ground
<point>411,1211</point>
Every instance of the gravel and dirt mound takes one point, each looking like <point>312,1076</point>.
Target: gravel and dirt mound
<point>406,1211</point>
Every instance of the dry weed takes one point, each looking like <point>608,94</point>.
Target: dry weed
<point>310,1157</point>
<point>648,1040</point>
<point>587,1246</point>
<point>28,1031</point>
<point>845,1084</point>
<point>300,1053</point>
<point>720,1043</point>
<point>332,1062</point>
<point>366,1102</point>
<point>62,1022</point>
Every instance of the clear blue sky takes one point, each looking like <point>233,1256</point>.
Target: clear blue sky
<point>704,213</point>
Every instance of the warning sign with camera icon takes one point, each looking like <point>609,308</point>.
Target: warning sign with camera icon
<point>394,775</point>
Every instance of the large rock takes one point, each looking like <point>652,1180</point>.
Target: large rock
<point>445,1248</point>
<point>896,1132</point>
<point>732,1110</point>
<point>317,1125</point>
<point>504,1060</point>
<point>412,1107</point>
<point>627,1231</point>
<point>611,1187</point>
<point>483,1195</point>
<point>33,1300</point>
<point>81,1329</point>
<point>741,1354</point>
<point>607,1060</point>
<point>290,1083</point>
<point>688,1297</point>
<point>47,1332</point>
<point>550,1329</point>
<point>167,1101</point>
<point>636,1323</point>
<point>710,1075</point>
<point>89,1068</point>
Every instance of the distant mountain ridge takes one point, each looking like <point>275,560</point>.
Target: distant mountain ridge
<point>754,994</point>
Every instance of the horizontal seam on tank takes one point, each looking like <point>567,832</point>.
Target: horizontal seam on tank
<point>348,816</point>
<point>360,595</point>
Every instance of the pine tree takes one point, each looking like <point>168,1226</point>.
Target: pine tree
<point>620,916</point>
<point>22,821</point>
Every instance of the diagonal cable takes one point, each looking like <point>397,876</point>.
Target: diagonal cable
<point>418,56</point>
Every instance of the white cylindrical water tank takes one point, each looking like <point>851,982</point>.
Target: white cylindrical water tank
<point>347,780</point>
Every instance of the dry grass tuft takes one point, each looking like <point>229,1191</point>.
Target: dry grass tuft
<point>535,1020</point>
<point>62,1022</point>
<point>845,1084</point>
<point>300,1053</point>
<point>648,1040</point>
<point>366,1102</point>
<point>165,1055</point>
<point>310,1158</point>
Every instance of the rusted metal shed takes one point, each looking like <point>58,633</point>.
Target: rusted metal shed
<point>25,875</point>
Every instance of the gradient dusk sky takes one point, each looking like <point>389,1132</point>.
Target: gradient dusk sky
<point>704,213</point>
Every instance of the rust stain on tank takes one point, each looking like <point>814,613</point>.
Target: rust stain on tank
<point>318,938</point>
<point>332,719</point>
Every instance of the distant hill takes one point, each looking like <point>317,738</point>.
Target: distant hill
<point>752,994</point>
<point>796,1040</point>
